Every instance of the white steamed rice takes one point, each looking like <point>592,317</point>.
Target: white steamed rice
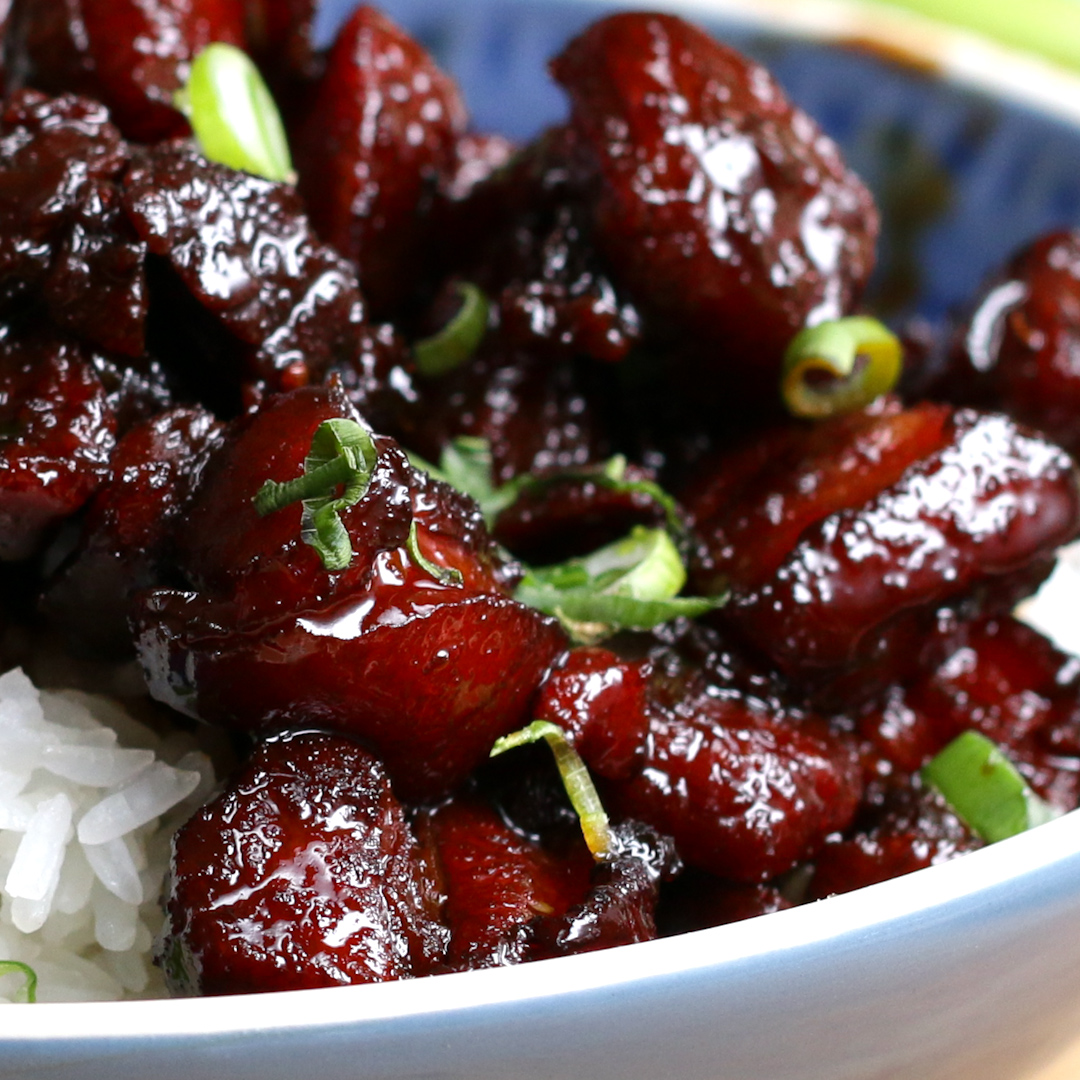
<point>89,799</point>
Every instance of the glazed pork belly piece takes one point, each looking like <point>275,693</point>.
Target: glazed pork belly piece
<point>907,829</point>
<point>65,244</point>
<point>127,531</point>
<point>723,213</point>
<point>497,880</point>
<point>843,542</point>
<point>745,788</point>
<point>373,147</point>
<point>1016,349</point>
<point>240,265</point>
<point>304,872</point>
<point>131,54</point>
<point>537,388</point>
<point>1002,679</point>
<point>59,435</point>
<point>416,643</point>
<point>513,896</point>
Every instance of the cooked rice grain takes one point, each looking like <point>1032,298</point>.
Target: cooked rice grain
<point>84,829</point>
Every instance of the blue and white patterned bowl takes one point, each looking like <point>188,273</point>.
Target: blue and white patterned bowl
<point>966,971</point>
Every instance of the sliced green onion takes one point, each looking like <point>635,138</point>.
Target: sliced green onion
<point>27,993</point>
<point>984,789</point>
<point>632,584</point>
<point>458,339</point>
<point>839,366</point>
<point>576,780</point>
<point>233,114</point>
<point>444,575</point>
<point>342,454</point>
<point>467,465</point>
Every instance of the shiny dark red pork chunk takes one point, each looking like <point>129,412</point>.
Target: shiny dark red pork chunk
<point>620,906</point>
<point>58,437</point>
<point>745,790</point>
<point>1003,679</point>
<point>837,539</point>
<point>1017,349</point>
<point>64,241</point>
<point>722,210</point>
<point>132,54</point>
<point>378,139</point>
<point>129,529</point>
<point>303,873</point>
<point>243,249</point>
<point>268,638</point>
<point>497,881</point>
<point>909,829</point>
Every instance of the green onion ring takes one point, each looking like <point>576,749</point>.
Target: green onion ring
<point>857,359</point>
<point>458,339</point>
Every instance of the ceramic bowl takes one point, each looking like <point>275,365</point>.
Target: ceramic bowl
<point>965,971</point>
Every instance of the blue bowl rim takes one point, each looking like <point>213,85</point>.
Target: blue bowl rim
<point>1042,863</point>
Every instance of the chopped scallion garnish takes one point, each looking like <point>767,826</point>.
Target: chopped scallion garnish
<point>632,584</point>
<point>458,339</point>
<point>342,454</point>
<point>444,575</point>
<point>984,789</point>
<point>27,993</point>
<point>839,366</point>
<point>575,778</point>
<point>233,115</point>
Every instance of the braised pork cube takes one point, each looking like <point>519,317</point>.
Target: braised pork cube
<point>243,249</point>
<point>538,388</point>
<point>838,539</point>
<point>620,906</point>
<point>745,790</point>
<point>128,529</point>
<point>309,837</point>
<point>414,643</point>
<point>1016,350</point>
<point>378,139</point>
<point>131,54</point>
<point>64,241</point>
<point>497,881</point>
<point>58,436</point>
<point>911,828</point>
<point>722,211</point>
<point>1004,680</point>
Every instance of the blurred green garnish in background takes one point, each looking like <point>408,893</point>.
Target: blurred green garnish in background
<point>1048,27</point>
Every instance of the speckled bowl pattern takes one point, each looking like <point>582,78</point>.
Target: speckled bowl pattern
<point>965,971</point>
